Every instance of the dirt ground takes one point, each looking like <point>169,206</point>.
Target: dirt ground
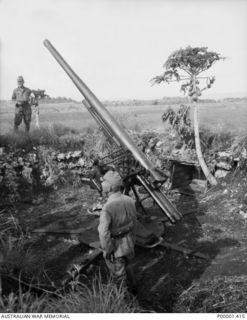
<point>217,230</point>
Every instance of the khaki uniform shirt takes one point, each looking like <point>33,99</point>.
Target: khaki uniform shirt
<point>21,94</point>
<point>118,214</point>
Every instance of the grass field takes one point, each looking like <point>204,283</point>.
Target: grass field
<point>231,116</point>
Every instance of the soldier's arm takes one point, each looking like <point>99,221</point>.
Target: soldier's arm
<point>14,95</point>
<point>134,216</point>
<point>135,225</point>
<point>104,231</point>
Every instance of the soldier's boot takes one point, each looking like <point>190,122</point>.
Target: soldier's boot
<point>16,128</point>
<point>131,280</point>
<point>27,125</point>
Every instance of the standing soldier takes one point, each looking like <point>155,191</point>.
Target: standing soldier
<point>117,228</point>
<point>22,96</point>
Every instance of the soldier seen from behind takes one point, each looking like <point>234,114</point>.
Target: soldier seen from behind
<point>23,111</point>
<point>117,229</point>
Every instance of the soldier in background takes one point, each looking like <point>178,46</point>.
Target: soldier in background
<point>23,111</point>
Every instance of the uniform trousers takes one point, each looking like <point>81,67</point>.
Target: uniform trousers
<point>23,112</point>
<point>122,271</point>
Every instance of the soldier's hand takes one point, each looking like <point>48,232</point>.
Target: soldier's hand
<point>109,252</point>
<point>110,256</point>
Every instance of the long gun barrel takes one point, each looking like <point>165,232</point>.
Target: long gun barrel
<point>120,135</point>
<point>116,132</point>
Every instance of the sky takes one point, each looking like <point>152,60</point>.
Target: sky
<point>117,46</point>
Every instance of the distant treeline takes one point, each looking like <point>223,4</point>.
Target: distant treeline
<point>48,99</point>
<point>165,100</point>
<point>168,100</point>
<point>58,100</point>
<point>234,99</point>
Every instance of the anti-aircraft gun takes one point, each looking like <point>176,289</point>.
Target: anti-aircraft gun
<point>131,163</point>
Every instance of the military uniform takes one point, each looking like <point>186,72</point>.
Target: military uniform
<point>22,107</point>
<point>117,229</point>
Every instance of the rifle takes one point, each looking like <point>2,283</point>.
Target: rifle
<point>132,164</point>
<point>37,95</point>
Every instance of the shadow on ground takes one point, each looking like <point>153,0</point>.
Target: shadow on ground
<point>163,275</point>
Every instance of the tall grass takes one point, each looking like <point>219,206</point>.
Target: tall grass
<point>225,294</point>
<point>219,140</point>
<point>99,297</point>
<point>57,136</point>
<point>17,257</point>
<point>122,118</point>
<point>95,298</point>
<point>24,302</point>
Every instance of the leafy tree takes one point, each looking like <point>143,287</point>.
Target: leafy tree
<point>185,66</point>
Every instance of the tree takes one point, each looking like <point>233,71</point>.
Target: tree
<point>185,66</point>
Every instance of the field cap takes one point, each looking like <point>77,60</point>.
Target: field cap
<point>111,179</point>
<point>20,78</point>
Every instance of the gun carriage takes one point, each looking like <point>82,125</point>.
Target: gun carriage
<point>131,163</point>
